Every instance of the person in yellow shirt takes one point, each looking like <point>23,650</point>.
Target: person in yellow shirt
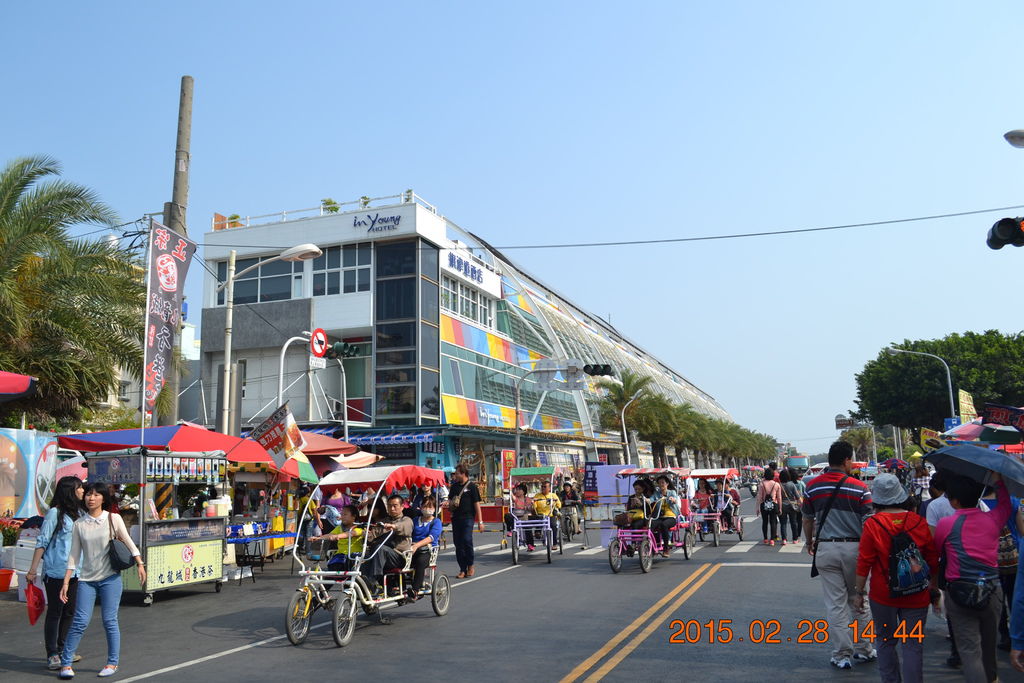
<point>547,504</point>
<point>349,536</point>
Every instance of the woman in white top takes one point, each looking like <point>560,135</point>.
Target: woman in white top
<point>90,540</point>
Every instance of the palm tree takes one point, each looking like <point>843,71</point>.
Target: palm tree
<point>656,422</point>
<point>617,395</point>
<point>70,309</point>
<point>860,438</point>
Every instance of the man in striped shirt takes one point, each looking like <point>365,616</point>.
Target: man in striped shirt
<point>837,548</point>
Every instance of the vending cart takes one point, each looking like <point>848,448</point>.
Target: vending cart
<point>181,545</point>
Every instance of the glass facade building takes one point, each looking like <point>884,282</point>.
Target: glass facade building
<point>445,326</point>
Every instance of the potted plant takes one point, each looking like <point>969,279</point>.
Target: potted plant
<point>329,205</point>
<point>234,221</point>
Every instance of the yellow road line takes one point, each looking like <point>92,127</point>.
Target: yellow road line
<point>585,665</point>
<point>651,627</point>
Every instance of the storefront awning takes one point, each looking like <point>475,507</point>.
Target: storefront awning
<point>392,438</point>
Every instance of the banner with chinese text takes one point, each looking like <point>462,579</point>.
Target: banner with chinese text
<point>170,255</point>
<point>279,434</point>
<point>967,411</point>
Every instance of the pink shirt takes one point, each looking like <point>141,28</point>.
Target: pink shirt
<point>979,535</point>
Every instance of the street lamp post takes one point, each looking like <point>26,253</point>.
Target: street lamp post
<point>949,377</point>
<point>301,252</point>
<point>625,433</point>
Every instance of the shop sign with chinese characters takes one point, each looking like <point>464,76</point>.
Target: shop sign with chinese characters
<point>178,564</point>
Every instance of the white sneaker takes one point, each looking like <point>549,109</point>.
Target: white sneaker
<point>869,656</point>
<point>108,670</point>
<point>53,663</point>
<point>841,662</point>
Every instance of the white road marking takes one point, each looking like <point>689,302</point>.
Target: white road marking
<point>593,551</point>
<point>503,551</point>
<point>766,564</point>
<point>242,648</point>
<point>485,546</point>
<point>748,520</point>
<point>742,547</point>
<point>793,548</point>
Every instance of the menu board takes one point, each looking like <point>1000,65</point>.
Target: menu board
<point>177,470</point>
<point>185,529</point>
<point>115,470</point>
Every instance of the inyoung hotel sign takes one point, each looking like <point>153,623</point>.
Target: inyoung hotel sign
<point>376,222</point>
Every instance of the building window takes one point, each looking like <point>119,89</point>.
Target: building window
<point>123,390</point>
<point>342,270</point>
<point>467,302</point>
<point>275,281</point>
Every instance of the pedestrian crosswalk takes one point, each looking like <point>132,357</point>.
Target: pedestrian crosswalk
<point>741,547</point>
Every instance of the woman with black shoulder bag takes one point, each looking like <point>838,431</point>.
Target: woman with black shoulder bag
<point>94,539</point>
<point>769,503</point>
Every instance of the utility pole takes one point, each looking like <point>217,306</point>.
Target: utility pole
<point>174,218</point>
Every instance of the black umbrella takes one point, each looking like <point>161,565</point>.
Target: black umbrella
<point>978,463</point>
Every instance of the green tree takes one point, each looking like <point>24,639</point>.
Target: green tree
<point>911,391</point>
<point>70,309</point>
<point>656,422</point>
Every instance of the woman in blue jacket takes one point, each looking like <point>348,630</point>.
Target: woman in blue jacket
<point>52,547</point>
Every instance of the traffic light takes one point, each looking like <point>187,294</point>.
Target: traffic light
<point>1006,231</point>
<point>598,370</point>
<point>341,350</point>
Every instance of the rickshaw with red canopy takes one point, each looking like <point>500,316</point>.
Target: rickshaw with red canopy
<point>315,591</point>
<point>709,522</point>
<point>643,541</point>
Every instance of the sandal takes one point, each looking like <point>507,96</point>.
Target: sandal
<point>460,575</point>
<point>470,572</point>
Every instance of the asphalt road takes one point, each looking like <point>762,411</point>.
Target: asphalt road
<point>572,620</point>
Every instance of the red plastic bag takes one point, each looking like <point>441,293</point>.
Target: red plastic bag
<point>36,602</point>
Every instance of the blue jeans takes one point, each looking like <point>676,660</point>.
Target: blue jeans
<point>462,537</point>
<point>109,591</point>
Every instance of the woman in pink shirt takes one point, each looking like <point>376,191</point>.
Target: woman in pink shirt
<point>968,542</point>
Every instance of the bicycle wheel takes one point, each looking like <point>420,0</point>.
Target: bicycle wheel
<point>738,523</point>
<point>515,547</point>
<point>440,595</point>
<point>549,539</point>
<point>646,556</point>
<point>686,543</point>
<point>300,613</point>
<point>558,535</point>
<point>343,624</point>
<point>615,555</point>
<point>716,529</point>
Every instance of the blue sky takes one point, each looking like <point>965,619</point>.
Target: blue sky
<point>535,123</point>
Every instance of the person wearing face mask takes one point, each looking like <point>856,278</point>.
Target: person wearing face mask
<point>426,531</point>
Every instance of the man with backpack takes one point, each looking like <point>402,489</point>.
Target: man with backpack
<point>834,510</point>
<point>898,553</point>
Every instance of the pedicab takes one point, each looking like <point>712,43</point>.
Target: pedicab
<point>642,541</point>
<point>547,527</point>
<point>708,522</point>
<point>316,592</point>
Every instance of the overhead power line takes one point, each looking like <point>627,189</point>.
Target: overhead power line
<point>707,238</point>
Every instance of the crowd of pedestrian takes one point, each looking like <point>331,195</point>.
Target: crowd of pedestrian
<point>884,555</point>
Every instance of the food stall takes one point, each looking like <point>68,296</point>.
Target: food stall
<point>181,536</point>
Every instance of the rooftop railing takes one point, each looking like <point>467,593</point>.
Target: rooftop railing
<point>324,209</point>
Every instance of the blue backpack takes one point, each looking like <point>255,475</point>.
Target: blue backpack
<point>908,571</point>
